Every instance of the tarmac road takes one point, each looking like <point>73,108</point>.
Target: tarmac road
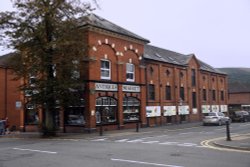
<point>171,146</point>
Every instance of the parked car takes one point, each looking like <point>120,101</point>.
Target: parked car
<point>240,116</point>
<point>216,118</point>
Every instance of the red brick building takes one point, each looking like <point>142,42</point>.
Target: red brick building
<point>238,96</point>
<point>10,98</point>
<point>128,81</point>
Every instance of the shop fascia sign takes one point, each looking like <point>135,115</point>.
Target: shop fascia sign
<point>114,87</point>
<point>131,88</point>
<point>106,87</point>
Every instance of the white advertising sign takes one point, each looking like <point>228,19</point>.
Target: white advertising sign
<point>205,108</point>
<point>223,108</point>
<point>169,110</point>
<point>215,108</point>
<point>153,111</point>
<point>183,110</point>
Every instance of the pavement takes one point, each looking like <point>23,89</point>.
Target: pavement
<point>237,142</point>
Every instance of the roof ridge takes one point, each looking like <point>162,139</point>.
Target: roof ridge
<point>100,22</point>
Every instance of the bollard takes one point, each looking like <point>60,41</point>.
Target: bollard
<point>228,131</point>
<point>137,126</point>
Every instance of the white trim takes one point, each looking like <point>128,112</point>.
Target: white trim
<point>104,69</point>
<point>130,72</point>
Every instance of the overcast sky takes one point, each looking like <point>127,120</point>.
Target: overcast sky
<point>216,31</point>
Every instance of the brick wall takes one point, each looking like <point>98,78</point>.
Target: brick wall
<point>9,98</point>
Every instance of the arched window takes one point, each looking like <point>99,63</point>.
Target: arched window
<point>151,70</point>
<point>106,110</point>
<point>167,73</point>
<point>131,109</point>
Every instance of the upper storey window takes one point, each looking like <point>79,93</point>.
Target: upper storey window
<point>105,69</point>
<point>193,77</point>
<point>130,72</point>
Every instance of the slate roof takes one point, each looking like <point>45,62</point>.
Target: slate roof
<point>238,87</point>
<point>167,56</point>
<point>209,68</point>
<point>4,59</point>
<point>163,55</point>
<point>99,22</point>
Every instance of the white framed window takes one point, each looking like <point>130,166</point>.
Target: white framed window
<point>75,73</point>
<point>130,72</point>
<point>105,69</point>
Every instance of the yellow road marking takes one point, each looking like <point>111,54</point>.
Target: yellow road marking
<point>207,144</point>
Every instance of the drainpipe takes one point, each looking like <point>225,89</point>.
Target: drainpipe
<point>5,92</point>
<point>146,78</point>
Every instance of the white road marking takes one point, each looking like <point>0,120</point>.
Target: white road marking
<point>103,139</point>
<point>135,141</point>
<point>40,151</point>
<point>122,140</point>
<point>150,142</point>
<point>142,162</point>
<point>169,143</point>
<point>187,144</point>
<point>186,133</point>
<point>153,137</point>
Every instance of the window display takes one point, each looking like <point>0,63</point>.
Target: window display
<point>74,116</point>
<point>31,116</point>
<point>131,108</point>
<point>106,110</point>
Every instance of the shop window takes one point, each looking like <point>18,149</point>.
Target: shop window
<point>105,69</point>
<point>131,108</point>
<point>130,72</point>
<point>31,114</point>
<point>74,115</point>
<point>151,92</point>
<point>106,110</point>
<point>168,92</point>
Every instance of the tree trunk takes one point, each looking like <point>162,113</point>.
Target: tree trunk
<point>49,128</point>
